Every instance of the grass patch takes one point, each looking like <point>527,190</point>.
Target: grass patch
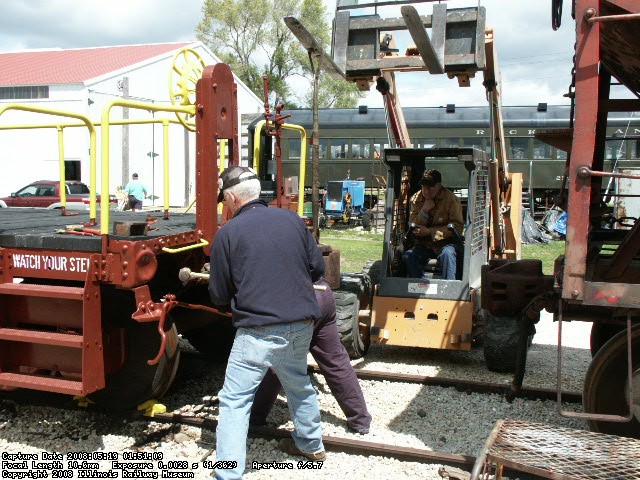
<point>546,253</point>
<point>357,247</point>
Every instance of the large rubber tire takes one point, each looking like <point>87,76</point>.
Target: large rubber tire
<point>215,340</point>
<point>500,343</point>
<point>136,382</point>
<point>352,336</point>
<point>374,270</point>
<point>606,386</point>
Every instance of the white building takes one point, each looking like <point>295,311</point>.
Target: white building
<point>84,81</point>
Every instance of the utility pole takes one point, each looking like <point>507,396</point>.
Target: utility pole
<point>315,143</point>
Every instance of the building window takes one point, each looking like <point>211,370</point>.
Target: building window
<point>23,93</point>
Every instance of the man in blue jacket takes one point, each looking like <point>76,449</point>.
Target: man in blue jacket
<point>263,265</point>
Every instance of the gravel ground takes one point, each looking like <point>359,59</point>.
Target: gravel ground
<point>434,418</point>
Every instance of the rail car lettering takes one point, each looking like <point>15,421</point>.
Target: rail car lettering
<point>50,262</point>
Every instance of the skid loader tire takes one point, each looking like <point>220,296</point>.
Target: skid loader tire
<point>500,343</point>
<point>374,270</point>
<point>347,321</point>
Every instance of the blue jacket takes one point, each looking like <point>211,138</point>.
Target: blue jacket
<point>263,263</point>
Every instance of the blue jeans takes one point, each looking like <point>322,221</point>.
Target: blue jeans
<point>416,257</point>
<point>284,348</point>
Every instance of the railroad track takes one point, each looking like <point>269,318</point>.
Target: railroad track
<point>530,393</point>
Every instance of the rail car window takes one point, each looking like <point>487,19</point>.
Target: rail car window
<point>294,148</point>
<point>518,148</point>
<point>322,151</point>
<point>635,148</point>
<point>360,148</point>
<point>379,144</point>
<point>541,150</point>
<point>339,147</point>
<point>560,154</point>
<point>472,142</point>
<point>426,143</point>
<point>449,142</point>
<point>614,150</point>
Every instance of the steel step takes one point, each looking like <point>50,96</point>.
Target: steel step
<point>43,338</point>
<point>47,291</point>
<point>48,384</point>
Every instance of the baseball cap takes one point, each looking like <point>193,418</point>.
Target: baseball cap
<point>234,175</point>
<point>431,177</point>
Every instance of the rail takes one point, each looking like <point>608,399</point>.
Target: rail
<point>106,123</point>
<point>303,156</point>
<point>92,153</point>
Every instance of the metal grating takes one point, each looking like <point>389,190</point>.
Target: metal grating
<point>564,453</point>
<point>479,209</point>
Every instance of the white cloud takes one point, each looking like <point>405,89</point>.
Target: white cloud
<point>535,60</point>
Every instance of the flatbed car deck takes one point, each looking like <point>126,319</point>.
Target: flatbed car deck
<point>36,228</point>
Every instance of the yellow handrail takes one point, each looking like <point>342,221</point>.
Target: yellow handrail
<point>31,126</point>
<point>256,145</point>
<point>62,171</point>
<point>303,162</point>
<point>303,156</point>
<point>92,152</point>
<point>203,243</point>
<point>165,161</point>
<point>104,200</point>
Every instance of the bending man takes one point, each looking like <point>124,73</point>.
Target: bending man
<point>333,360</point>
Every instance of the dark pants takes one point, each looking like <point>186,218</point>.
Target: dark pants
<point>416,257</point>
<point>134,203</point>
<point>333,360</point>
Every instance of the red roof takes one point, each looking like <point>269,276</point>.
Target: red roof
<point>74,66</point>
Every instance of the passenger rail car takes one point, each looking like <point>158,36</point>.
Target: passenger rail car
<point>352,142</point>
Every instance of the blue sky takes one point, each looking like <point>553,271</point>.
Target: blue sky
<point>535,61</point>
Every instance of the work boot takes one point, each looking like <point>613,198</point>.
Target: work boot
<point>287,445</point>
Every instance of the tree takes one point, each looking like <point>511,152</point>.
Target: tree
<point>251,37</point>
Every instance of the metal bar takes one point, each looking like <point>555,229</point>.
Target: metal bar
<point>203,243</point>
<point>106,122</point>
<point>63,182</point>
<point>27,126</point>
<point>594,416</point>
<point>337,444</point>
<point>586,172</point>
<point>468,385</point>
<point>350,6</point>
<point>615,18</point>
<point>311,45</point>
<point>624,254</point>
<point>482,457</point>
<point>165,164</point>
<point>582,151</point>
<point>422,40</point>
<point>92,146</point>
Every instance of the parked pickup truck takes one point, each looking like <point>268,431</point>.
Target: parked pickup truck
<point>46,194</point>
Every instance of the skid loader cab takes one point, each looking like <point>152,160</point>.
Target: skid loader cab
<point>431,312</point>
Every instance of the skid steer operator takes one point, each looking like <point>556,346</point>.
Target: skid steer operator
<point>433,207</point>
